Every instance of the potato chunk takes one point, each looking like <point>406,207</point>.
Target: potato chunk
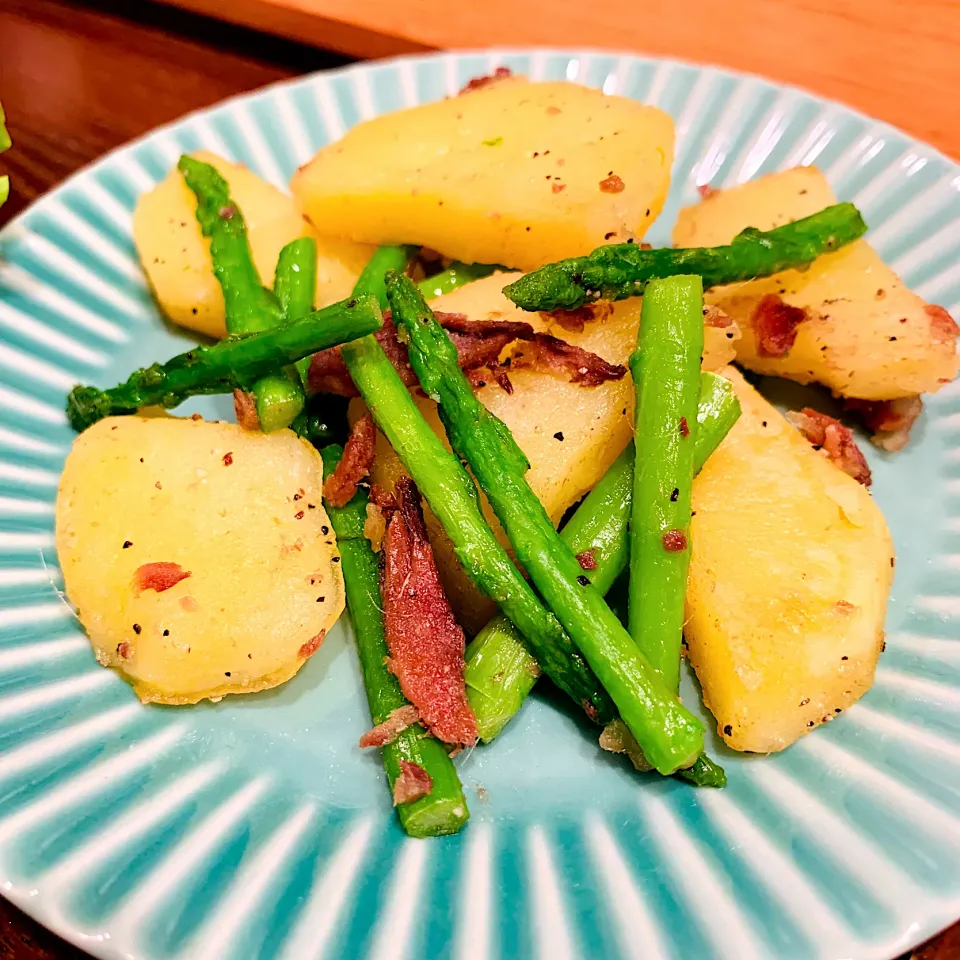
<point>790,569</point>
<point>571,434</point>
<point>198,555</point>
<point>176,257</point>
<point>513,173</point>
<point>866,335</point>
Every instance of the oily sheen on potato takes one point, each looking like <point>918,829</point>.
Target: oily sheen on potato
<point>866,334</point>
<point>570,433</point>
<point>198,555</point>
<point>514,173</point>
<point>176,256</point>
<point>790,569</point>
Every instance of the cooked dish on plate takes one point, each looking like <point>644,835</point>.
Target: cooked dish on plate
<point>476,410</point>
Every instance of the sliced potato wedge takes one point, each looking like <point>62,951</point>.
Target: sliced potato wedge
<point>790,570</point>
<point>866,336</point>
<point>515,173</point>
<point>198,555</point>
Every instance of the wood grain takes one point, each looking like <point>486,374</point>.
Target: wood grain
<point>80,79</point>
<point>894,59</point>
<point>77,80</point>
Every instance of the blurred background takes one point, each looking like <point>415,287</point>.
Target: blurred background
<point>80,78</point>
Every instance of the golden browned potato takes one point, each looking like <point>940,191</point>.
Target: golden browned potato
<point>513,173</point>
<point>789,575</point>
<point>176,257</point>
<point>198,555</point>
<point>866,335</point>
<point>570,433</point>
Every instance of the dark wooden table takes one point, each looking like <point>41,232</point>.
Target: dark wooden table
<point>78,79</point>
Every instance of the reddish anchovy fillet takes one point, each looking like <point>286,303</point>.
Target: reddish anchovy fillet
<point>544,352</point>
<point>478,83</point>
<point>413,783</point>
<point>355,464</point>
<point>479,344</point>
<point>158,576</point>
<point>942,325</point>
<point>574,320</point>
<point>391,728</point>
<point>775,324</point>
<point>245,408</point>
<point>889,420</point>
<point>835,440</point>
<point>425,641</point>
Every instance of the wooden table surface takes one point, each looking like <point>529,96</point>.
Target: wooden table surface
<point>77,79</point>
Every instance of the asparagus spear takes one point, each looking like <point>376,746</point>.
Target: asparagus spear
<point>500,670</point>
<point>671,737</point>
<point>4,145</point>
<point>232,364</point>
<point>666,378</point>
<point>621,270</point>
<point>295,284</point>
<point>444,809</point>
<point>456,275</point>
<point>453,498</point>
<point>370,280</point>
<point>250,307</point>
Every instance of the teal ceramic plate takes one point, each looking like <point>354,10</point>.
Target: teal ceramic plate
<point>257,829</point>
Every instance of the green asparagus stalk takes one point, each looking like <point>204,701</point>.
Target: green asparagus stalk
<point>295,285</point>
<point>5,144</point>
<point>235,363</point>
<point>370,280</point>
<point>444,809</point>
<point>250,307</point>
<point>456,275</point>
<point>670,736</point>
<point>453,499</point>
<point>621,270</point>
<point>500,670</point>
<point>666,378</point>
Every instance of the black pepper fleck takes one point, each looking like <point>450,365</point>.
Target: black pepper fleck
<point>583,581</point>
<point>674,495</point>
<point>728,730</point>
<point>324,530</point>
<point>166,633</point>
<point>137,628</point>
<point>558,436</point>
<point>127,543</point>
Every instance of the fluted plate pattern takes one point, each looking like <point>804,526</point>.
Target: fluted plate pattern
<point>256,828</point>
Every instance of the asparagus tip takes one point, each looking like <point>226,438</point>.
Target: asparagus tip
<point>85,406</point>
